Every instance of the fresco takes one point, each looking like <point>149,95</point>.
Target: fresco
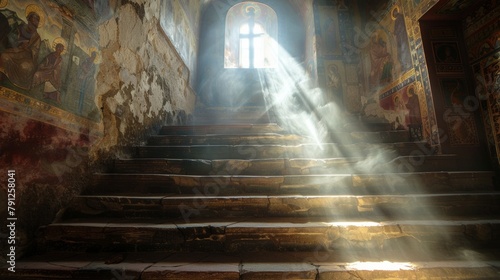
<point>310,54</point>
<point>329,30</point>
<point>335,83</point>
<point>336,70</point>
<point>482,38</point>
<point>456,6</point>
<point>387,53</point>
<point>404,107</point>
<point>394,89</point>
<point>179,21</point>
<point>461,127</point>
<point>48,59</point>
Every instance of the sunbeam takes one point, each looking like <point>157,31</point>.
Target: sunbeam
<point>304,109</point>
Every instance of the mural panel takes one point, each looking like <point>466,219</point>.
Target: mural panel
<point>447,57</point>
<point>393,65</point>
<point>454,6</point>
<point>404,107</point>
<point>387,53</point>
<point>48,61</point>
<point>482,38</point>
<point>332,28</point>
<point>460,121</point>
<point>329,30</point>
<point>336,83</point>
<point>179,21</point>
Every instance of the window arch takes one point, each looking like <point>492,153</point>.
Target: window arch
<point>250,36</point>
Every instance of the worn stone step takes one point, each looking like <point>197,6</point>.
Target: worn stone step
<point>251,151</point>
<point>271,234</point>
<point>286,166</point>
<point>250,266</point>
<point>266,135</point>
<point>228,139</point>
<point>392,136</point>
<point>413,206</point>
<point>231,115</point>
<point>382,183</point>
<point>223,129</point>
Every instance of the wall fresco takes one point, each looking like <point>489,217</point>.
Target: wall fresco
<point>180,20</point>
<point>482,38</point>
<point>454,6</point>
<point>329,29</point>
<point>305,7</point>
<point>337,69</point>
<point>393,61</point>
<point>46,54</point>
<point>51,128</point>
<point>387,55</point>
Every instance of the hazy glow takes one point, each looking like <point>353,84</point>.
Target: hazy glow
<point>302,108</point>
<point>298,106</point>
<point>384,265</point>
<point>262,45</point>
<point>346,224</point>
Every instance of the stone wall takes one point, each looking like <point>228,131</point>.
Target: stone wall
<point>118,80</point>
<point>142,79</point>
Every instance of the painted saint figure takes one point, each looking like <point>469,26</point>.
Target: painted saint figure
<point>18,64</point>
<point>401,35</point>
<point>49,72</point>
<point>413,106</point>
<point>86,76</point>
<point>381,62</point>
<point>401,113</point>
<point>333,77</point>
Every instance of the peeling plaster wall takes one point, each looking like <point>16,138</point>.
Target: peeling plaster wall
<point>140,84</point>
<point>139,79</point>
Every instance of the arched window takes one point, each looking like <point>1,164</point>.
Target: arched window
<point>251,33</point>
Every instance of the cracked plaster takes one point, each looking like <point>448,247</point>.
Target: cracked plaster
<point>141,75</point>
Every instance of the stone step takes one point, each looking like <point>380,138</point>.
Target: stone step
<point>254,151</point>
<point>260,135</point>
<point>228,139</point>
<point>391,136</point>
<point>382,183</point>
<point>252,266</point>
<point>268,235</point>
<point>224,129</point>
<point>415,206</point>
<point>285,166</point>
<point>231,115</point>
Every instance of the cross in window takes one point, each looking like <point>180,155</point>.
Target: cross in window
<point>251,36</point>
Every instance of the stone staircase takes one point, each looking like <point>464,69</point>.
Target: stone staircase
<point>252,201</point>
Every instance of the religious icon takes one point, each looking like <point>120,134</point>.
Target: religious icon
<point>49,71</point>
<point>454,91</point>
<point>18,63</point>
<point>446,52</point>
